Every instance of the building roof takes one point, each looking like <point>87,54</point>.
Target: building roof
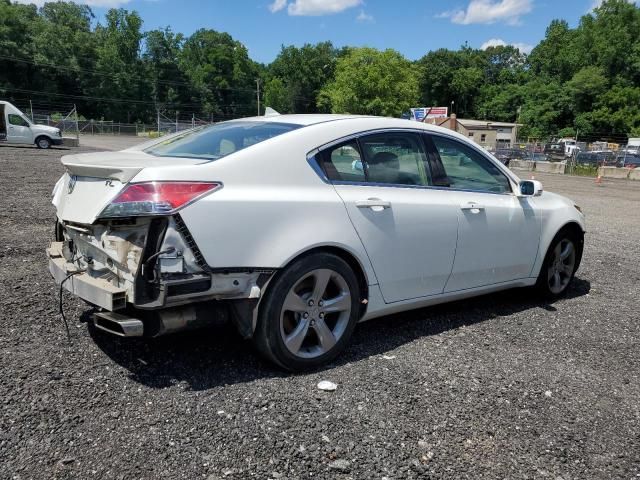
<point>486,123</point>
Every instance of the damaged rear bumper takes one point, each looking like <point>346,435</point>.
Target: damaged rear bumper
<point>94,290</point>
<point>178,304</point>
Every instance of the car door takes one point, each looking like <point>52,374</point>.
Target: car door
<point>18,131</point>
<point>498,231</point>
<point>407,229</point>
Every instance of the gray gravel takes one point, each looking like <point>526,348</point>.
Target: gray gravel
<point>497,387</point>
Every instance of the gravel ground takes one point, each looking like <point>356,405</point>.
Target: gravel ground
<point>498,387</point>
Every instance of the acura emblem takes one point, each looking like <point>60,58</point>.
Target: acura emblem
<point>72,184</point>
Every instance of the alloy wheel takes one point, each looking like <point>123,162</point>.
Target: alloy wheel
<point>561,266</point>
<point>315,313</point>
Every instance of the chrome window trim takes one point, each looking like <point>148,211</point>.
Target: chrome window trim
<point>313,162</point>
<point>420,187</point>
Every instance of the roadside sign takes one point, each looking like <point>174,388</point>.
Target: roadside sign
<point>419,114</point>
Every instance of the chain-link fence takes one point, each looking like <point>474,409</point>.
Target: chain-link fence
<point>573,158</point>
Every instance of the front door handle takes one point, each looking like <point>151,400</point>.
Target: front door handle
<point>373,204</point>
<point>473,207</point>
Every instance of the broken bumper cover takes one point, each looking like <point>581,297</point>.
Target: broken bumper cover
<point>94,290</point>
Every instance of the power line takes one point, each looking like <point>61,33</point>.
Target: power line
<point>115,76</point>
<point>118,100</point>
<point>140,78</point>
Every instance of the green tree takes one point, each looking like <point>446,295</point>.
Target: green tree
<point>221,73</point>
<point>120,73</point>
<point>558,55</point>
<point>169,84</point>
<point>277,96</point>
<point>303,72</point>
<point>586,86</point>
<point>64,49</point>
<point>368,81</point>
<point>17,24</point>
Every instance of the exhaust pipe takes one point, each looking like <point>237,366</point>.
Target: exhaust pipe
<point>162,322</point>
<point>119,325</point>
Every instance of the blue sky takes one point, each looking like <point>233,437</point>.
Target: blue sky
<point>412,27</point>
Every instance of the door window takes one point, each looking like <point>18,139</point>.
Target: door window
<point>396,158</point>
<point>467,169</point>
<point>17,120</point>
<point>343,163</point>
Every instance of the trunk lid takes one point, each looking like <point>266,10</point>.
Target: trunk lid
<point>92,180</point>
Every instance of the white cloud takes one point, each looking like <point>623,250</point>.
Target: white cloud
<point>497,42</point>
<point>277,5</point>
<point>365,17</point>
<point>320,7</point>
<point>490,11</point>
<point>91,3</point>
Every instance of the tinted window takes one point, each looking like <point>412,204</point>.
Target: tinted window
<point>468,169</point>
<point>396,158</point>
<point>344,163</point>
<point>17,120</point>
<point>219,140</point>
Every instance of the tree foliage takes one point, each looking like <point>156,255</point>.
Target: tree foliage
<point>585,78</point>
<point>368,81</point>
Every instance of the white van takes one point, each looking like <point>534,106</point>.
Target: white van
<point>15,127</point>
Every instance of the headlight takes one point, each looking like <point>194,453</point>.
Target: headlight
<point>58,133</point>
<point>577,207</point>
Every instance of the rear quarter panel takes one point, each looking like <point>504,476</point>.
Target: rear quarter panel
<point>272,206</point>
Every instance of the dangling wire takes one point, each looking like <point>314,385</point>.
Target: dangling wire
<point>64,318</point>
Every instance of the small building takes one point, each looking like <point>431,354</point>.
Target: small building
<point>487,133</point>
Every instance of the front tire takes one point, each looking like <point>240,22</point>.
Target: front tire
<point>309,313</point>
<point>560,265</point>
<point>43,143</point>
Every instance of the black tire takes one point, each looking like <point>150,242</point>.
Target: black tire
<point>545,283</point>
<point>43,143</point>
<point>273,315</point>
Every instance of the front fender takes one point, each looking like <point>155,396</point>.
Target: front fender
<point>556,212</point>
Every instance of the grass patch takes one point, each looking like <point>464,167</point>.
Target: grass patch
<point>583,170</point>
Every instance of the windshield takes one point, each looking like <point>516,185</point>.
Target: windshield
<point>217,141</point>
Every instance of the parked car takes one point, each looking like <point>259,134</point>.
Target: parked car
<point>555,152</point>
<point>15,127</point>
<point>269,222</point>
<point>596,158</point>
<point>628,160</point>
<point>537,157</point>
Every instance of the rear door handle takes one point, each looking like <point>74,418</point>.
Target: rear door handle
<point>472,206</point>
<point>373,204</point>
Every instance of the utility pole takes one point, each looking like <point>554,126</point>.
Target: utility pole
<point>31,105</point>
<point>258,93</point>
<point>193,120</point>
<point>177,121</point>
<point>75,113</point>
<point>158,112</point>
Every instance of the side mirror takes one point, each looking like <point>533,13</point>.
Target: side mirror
<point>530,188</point>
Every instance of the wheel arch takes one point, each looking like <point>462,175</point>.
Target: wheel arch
<point>42,135</point>
<point>350,258</point>
<point>572,226</point>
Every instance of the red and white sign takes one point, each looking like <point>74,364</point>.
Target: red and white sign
<point>419,114</point>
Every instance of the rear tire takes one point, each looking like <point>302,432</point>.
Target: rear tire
<point>43,143</point>
<point>309,313</point>
<point>560,264</point>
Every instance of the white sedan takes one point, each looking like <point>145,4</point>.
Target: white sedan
<point>297,227</point>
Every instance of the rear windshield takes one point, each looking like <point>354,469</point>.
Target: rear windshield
<point>217,141</point>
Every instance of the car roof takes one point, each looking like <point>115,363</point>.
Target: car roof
<point>306,120</point>
<point>303,119</point>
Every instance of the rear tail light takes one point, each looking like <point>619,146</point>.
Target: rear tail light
<point>156,198</point>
